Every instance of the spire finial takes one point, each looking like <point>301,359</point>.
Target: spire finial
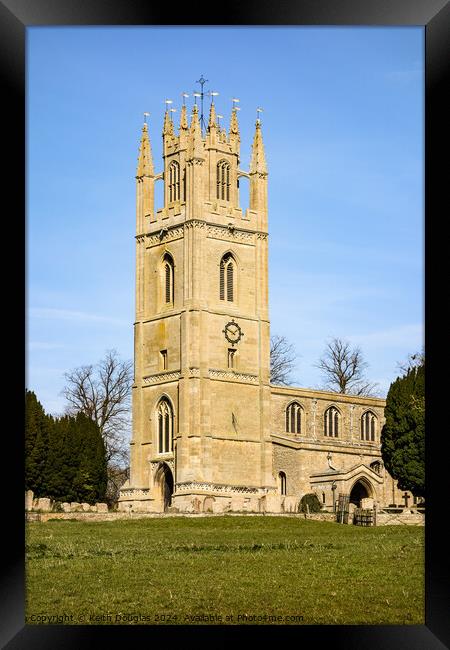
<point>258,119</point>
<point>168,124</point>
<point>202,82</point>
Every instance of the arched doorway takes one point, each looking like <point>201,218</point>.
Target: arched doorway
<point>359,491</point>
<point>164,481</point>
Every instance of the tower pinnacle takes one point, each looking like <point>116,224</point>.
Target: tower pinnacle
<point>145,161</point>
<point>258,161</point>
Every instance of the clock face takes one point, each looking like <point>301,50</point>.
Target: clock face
<point>233,332</point>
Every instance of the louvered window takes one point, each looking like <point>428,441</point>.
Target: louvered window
<point>223,180</point>
<point>174,182</point>
<point>226,283</point>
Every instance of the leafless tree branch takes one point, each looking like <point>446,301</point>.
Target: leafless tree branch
<point>282,360</point>
<point>343,369</point>
<point>103,393</point>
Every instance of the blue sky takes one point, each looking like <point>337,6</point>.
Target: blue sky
<point>343,133</point>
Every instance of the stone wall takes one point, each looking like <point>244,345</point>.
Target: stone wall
<point>44,504</point>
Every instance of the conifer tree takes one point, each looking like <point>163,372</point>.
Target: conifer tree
<point>90,479</point>
<point>403,435</point>
<point>36,444</point>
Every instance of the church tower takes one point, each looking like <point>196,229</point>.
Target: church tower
<point>201,393</point>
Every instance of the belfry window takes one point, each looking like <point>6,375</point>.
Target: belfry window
<point>164,418</point>
<point>223,180</point>
<point>368,426</point>
<point>331,422</point>
<point>174,182</point>
<point>168,278</point>
<point>226,283</point>
<point>293,418</point>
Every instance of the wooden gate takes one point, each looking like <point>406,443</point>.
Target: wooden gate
<point>342,509</point>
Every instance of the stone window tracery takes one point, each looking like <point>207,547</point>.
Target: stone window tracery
<point>223,180</point>
<point>226,283</point>
<point>164,418</point>
<point>174,181</point>
<point>368,426</point>
<point>331,422</point>
<point>293,418</point>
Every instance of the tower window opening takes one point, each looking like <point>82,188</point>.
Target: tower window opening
<point>165,427</point>
<point>163,354</point>
<point>168,279</point>
<point>231,358</point>
<point>223,180</point>
<point>226,284</point>
<point>174,182</point>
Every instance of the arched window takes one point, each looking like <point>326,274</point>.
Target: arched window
<point>168,278</point>
<point>223,180</point>
<point>226,284</point>
<point>164,419</point>
<point>331,422</point>
<point>294,418</point>
<point>368,426</point>
<point>282,482</point>
<point>174,181</point>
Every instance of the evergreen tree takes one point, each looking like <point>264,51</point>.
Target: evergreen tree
<point>36,444</point>
<point>90,479</point>
<point>65,458</point>
<point>403,435</point>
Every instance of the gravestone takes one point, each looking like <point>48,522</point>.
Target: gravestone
<point>29,494</point>
<point>43,504</point>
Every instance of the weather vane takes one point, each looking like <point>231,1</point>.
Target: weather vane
<point>258,111</point>
<point>145,117</point>
<point>202,82</point>
<point>184,95</point>
<point>212,94</point>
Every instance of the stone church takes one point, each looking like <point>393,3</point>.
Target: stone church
<point>210,432</point>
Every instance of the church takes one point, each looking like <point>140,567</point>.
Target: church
<point>210,432</point>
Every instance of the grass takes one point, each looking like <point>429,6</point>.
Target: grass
<point>203,570</point>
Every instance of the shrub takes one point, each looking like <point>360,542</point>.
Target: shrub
<point>311,500</point>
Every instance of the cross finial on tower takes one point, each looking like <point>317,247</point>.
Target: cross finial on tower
<point>202,82</point>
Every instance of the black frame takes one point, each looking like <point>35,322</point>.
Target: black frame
<point>15,16</point>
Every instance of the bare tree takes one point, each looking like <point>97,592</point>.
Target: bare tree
<point>343,369</point>
<point>413,361</point>
<point>117,476</point>
<point>102,392</point>
<point>282,360</point>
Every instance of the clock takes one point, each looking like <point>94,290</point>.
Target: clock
<point>233,332</point>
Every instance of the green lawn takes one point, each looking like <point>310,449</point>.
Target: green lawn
<point>185,570</point>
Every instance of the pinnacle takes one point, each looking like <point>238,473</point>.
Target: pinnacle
<point>145,161</point>
<point>258,161</point>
